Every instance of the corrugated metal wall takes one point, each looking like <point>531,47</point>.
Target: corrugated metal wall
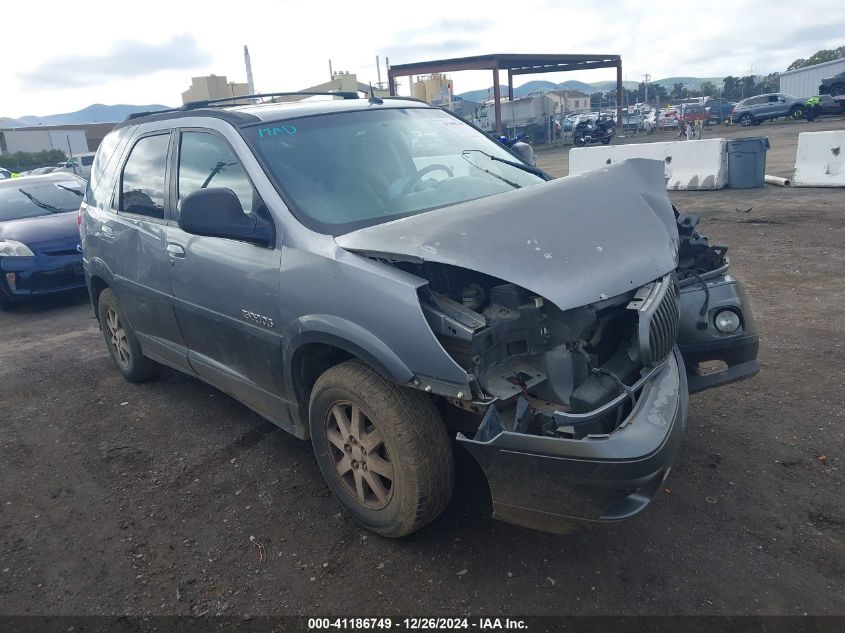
<point>804,82</point>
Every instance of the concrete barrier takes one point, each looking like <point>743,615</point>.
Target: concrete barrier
<point>820,161</point>
<point>700,164</point>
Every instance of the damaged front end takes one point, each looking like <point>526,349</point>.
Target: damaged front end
<point>579,412</point>
<point>561,304</point>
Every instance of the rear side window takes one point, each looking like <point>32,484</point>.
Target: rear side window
<point>206,160</point>
<point>142,182</point>
<point>87,160</point>
<point>105,153</point>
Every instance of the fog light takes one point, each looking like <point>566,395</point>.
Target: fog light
<point>727,321</point>
<point>11,279</point>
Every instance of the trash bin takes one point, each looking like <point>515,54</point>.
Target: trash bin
<point>747,162</point>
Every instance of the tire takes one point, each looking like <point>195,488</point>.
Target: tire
<point>837,89</point>
<point>746,120</point>
<point>605,141</point>
<point>580,141</point>
<point>121,342</point>
<point>400,430</point>
<point>797,113</point>
<point>6,304</point>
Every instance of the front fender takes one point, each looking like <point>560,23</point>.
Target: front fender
<point>345,335</point>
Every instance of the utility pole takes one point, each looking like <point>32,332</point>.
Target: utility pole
<point>378,72</point>
<point>647,78</point>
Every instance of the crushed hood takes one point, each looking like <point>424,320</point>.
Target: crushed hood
<point>573,241</point>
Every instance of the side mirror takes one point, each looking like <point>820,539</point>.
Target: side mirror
<point>217,212</point>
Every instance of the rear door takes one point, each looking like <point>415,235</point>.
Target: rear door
<point>134,249</point>
<point>226,292</point>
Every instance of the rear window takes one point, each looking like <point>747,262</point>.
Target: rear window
<point>20,199</point>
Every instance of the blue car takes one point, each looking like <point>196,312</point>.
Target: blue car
<point>40,252</point>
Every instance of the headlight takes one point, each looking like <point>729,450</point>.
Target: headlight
<point>727,321</point>
<point>11,248</point>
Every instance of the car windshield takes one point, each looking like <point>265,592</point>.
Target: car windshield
<point>355,169</point>
<point>20,199</point>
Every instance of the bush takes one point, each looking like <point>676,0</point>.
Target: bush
<point>22,161</point>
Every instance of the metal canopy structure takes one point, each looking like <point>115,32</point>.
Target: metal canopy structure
<point>515,64</point>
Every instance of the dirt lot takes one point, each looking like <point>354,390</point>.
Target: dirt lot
<point>141,499</point>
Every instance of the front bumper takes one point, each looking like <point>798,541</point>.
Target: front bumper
<point>713,359</point>
<point>545,482</point>
<point>39,275</point>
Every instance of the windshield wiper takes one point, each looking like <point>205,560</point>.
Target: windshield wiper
<point>42,205</point>
<point>512,163</point>
<point>71,189</point>
<point>487,171</point>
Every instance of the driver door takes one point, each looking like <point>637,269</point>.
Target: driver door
<point>225,291</point>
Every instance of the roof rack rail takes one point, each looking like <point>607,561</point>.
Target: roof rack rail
<point>195,105</point>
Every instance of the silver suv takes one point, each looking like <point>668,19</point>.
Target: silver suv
<point>379,276</point>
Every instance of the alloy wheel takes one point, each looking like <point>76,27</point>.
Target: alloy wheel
<point>360,457</point>
<point>117,336</point>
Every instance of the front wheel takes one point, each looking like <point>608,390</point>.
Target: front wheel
<point>121,342</point>
<point>838,89</point>
<point>580,141</point>
<point>605,140</point>
<point>746,120</point>
<point>797,113</point>
<point>383,449</point>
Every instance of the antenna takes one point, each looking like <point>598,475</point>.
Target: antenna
<point>373,98</point>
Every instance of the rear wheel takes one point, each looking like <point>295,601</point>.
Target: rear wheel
<point>837,89</point>
<point>121,342</point>
<point>746,120</point>
<point>580,141</point>
<point>797,112</point>
<point>383,449</point>
<point>605,140</point>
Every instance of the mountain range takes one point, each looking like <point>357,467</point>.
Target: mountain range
<point>96,113</point>
<point>601,86</point>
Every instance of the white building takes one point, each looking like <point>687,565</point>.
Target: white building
<point>804,82</point>
<point>570,100</point>
<point>70,141</point>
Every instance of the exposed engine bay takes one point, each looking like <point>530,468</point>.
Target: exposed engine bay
<point>572,373</point>
<point>547,370</point>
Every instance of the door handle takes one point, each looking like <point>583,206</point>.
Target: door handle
<point>174,250</point>
<point>107,231</point>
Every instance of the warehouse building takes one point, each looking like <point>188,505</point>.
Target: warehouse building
<point>70,141</point>
<point>804,82</point>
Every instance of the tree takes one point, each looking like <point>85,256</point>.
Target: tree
<point>819,57</point>
<point>707,88</point>
<point>769,83</point>
<point>21,161</point>
<point>678,91</point>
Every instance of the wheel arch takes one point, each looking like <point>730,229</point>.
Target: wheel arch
<point>315,343</point>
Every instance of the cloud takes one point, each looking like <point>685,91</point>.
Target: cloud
<point>128,59</point>
<point>406,53</point>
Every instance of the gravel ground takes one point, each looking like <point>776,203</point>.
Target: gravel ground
<point>118,498</point>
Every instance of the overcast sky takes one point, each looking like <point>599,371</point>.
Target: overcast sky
<point>62,58</point>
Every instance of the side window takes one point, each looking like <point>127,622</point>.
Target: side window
<point>142,183</point>
<point>206,160</point>
<point>105,153</point>
<point>87,160</point>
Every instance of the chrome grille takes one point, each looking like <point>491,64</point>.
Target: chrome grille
<point>658,306</point>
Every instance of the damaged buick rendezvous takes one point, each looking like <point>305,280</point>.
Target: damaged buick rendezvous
<point>379,276</point>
